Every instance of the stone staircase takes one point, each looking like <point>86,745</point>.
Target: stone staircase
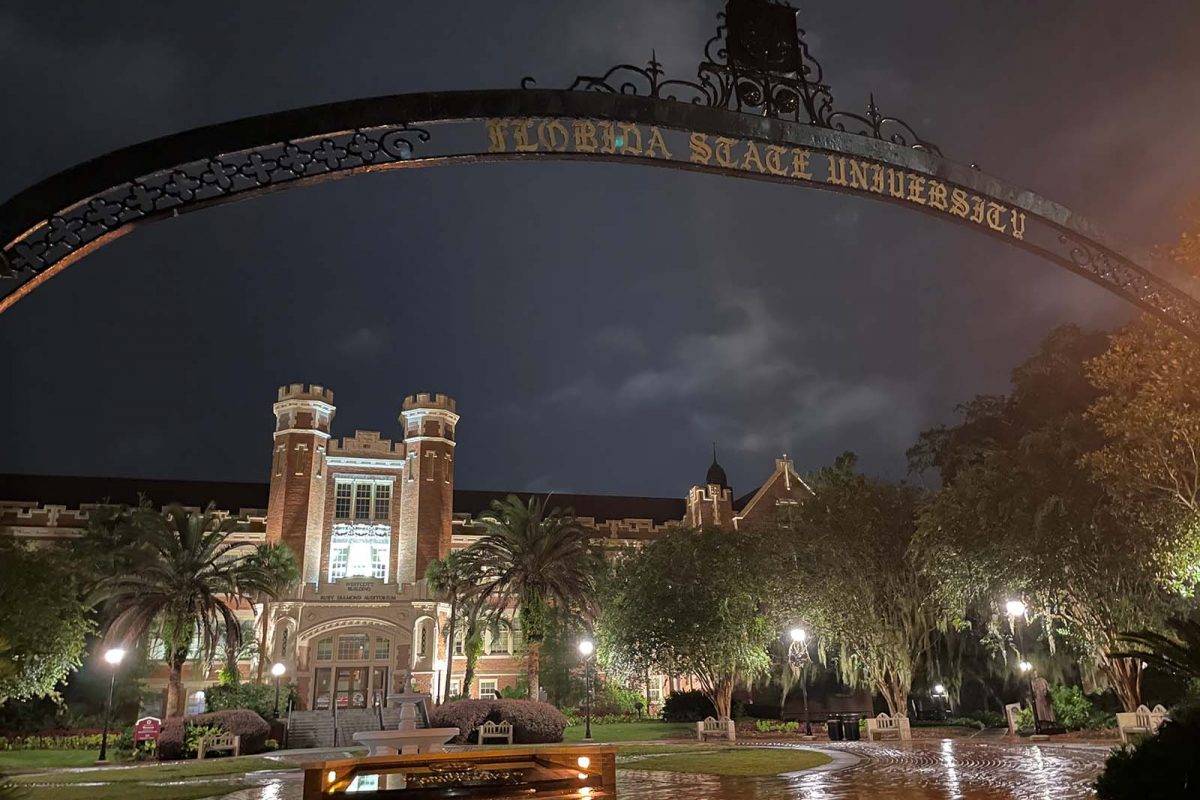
<point>315,728</point>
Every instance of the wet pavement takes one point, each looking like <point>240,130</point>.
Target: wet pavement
<point>920,770</point>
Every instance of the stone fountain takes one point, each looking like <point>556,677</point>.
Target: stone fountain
<point>413,736</point>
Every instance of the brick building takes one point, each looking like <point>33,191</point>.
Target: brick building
<point>364,516</point>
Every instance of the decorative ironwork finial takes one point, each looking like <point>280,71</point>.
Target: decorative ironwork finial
<point>757,63</point>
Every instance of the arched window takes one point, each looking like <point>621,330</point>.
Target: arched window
<point>325,649</point>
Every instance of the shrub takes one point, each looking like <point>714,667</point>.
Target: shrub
<point>687,707</point>
<point>52,741</point>
<point>1072,708</point>
<point>533,722</point>
<point>1164,765</point>
<point>193,735</point>
<point>254,730</point>
<point>257,697</point>
<point>466,715</point>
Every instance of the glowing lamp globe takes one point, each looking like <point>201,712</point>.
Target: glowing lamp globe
<point>114,656</point>
<point>1015,608</point>
<point>1025,666</point>
<point>939,689</point>
<point>586,648</point>
<point>799,635</point>
<point>278,669</point>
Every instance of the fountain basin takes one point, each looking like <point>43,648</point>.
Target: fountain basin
<point>405,743</point>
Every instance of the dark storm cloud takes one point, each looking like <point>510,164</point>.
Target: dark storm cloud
<point>599,325</point>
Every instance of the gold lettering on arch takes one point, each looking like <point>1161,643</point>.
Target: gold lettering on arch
<point>557,135</point>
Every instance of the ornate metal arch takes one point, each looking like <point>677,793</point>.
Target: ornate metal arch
<point>759,108</point>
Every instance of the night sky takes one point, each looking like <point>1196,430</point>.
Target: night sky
<point>600,325</point>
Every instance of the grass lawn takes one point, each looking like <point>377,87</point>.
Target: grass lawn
<point>45,759</point>
<point>158,773</point>
<point>632,731</point>
<point>129,791</point>
<point>743,762</point>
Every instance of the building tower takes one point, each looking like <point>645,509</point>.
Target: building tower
<point>427,491</point>
<point>296,510</point>
<point>711,505</point>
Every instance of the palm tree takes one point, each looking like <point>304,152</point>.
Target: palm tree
<point>454,577</point>
<point>536,560</point>
<point>271,572</point>
<point>187,580</point>
<point>1179,655</point>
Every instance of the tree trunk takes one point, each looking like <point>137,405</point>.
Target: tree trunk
<point>450,647</point>
<point>534,667</point>
<point>262,644</point>
<point>175,697</point>
<point>1125,676</point>
<point>895,695</point>
<point>723,698</point>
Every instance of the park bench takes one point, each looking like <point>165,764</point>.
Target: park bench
<point>1142,721</point>
<point>496,730</point>
<point>718,728</point>
<point>883,725</point>
<point>222,743</point>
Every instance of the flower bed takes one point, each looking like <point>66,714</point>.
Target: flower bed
<point>86,739</point>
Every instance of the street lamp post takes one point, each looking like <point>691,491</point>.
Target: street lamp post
<point>1027,670</point>
<point>939,692</point>
<point>112,657</point>
<point>1016,610</point>
<point>277,670</point>
<point>798,655</point>
<point>586,649</point>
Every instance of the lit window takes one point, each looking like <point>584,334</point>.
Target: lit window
<point>362,500</point>
<point>487,690</point>
<point>325,649</point>
<point>359,550</point>
<point>383,649</point>
<point>353,647</point>
<point>383,500</point>
<point>341,503</point>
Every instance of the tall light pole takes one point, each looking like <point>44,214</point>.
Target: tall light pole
<point>939,692</point>
<point>798,656</point>
<point>586,649</point>
<point>113,657</point>
<point>277,669</point>
<point>1017,609</point>
<point>1027,670</point>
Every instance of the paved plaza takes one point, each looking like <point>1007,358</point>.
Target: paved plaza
<point>920,770</point>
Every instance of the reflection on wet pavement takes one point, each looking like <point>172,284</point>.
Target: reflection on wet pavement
<point>921,770</point>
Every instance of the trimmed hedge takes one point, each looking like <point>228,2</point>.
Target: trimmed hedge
<point>254,730</point>
<point>533,722</point>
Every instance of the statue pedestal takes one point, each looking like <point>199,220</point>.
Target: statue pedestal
<point>413,734</point>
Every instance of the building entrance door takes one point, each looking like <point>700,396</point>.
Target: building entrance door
<point>352,687</point>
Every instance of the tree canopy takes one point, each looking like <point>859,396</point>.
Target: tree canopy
<point>693,603</point>
<point>1019,515</point>
<point>856,584</point>
<point>43,625</point>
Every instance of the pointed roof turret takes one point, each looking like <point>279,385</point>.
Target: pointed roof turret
<point>716,474</point>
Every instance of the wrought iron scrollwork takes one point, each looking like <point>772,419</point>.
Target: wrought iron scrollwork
<point>770,73</point>
<point>211,178</point>
<point>1131,281</point>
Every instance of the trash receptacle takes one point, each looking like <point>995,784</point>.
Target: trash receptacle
<point>850,727</point>
<point>834,726</point>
